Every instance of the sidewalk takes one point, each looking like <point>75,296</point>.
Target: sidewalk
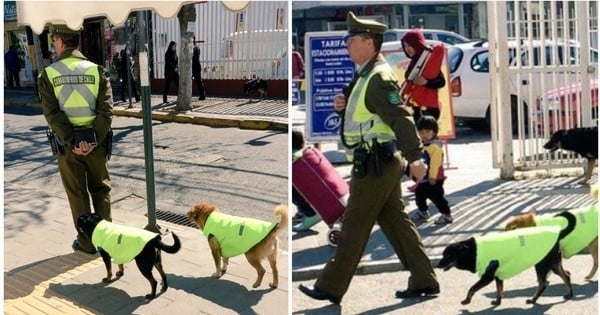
<point>269,114</point>
<point>44,276</point>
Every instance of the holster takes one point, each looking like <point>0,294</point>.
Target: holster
<point>360,162</point>
<point>55,144</point>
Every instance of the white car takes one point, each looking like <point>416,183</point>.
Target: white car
<point>451,38</point>
<point>470,79</point>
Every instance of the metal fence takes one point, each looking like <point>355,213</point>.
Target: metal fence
<point>551,82</point>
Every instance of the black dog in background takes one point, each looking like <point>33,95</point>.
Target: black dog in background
<point>583,141</point>
<point>256,87</point>
<point>120,235</point>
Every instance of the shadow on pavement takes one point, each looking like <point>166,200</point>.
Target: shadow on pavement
<point>224,293</point>
<point>21,281</point>
<point>97,298</point>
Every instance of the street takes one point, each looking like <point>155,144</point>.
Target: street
<point>244,172</point>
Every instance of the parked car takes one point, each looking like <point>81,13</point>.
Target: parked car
<point>562,106</point>
<point>470,79</point>
<point>451,38</point>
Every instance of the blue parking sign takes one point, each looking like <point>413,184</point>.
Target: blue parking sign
<point>328,69</point>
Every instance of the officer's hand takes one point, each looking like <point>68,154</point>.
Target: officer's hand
<point>84,148</point>
<point>339,102</point>
<point>420,80</point>
<point>432,181</point>
<point>418,169</point>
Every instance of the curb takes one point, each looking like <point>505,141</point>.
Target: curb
<point>365,268</point>
<point>215,122</point>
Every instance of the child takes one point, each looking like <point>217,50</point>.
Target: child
<point>424,91</point>
<point>432,185</point>
<point>306,216</point>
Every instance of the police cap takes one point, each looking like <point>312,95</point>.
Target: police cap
<point>64,31</point>
<point>358,26</point>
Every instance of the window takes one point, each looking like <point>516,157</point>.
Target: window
<point>480,62</point>
<point>455,56</point>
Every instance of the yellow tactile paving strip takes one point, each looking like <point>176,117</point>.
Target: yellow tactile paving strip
<point>41,300</point>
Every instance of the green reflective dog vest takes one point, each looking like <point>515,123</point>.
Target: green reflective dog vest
<point>236,235</point>
<point>515,250</point>
<point>586,228</point>
<point>121,242</point>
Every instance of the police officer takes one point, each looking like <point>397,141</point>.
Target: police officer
<point>77,103</point>
<point>374,125</point>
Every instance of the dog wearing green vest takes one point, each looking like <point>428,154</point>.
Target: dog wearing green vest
<point>584,235</point>
<point>230,236</point>
<point>124,244</point>
<point>500,256</point>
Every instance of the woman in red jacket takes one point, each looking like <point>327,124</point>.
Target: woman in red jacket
<point>422,92</point>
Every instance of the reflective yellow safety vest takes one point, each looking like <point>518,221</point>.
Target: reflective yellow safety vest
<point>121,242</point>
<point>76,83</point>
<point>586,228</point>
<point>359,121</point>
<point>236,235</point>
<point>515,250</point>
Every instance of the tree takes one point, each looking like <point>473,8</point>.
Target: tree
<point>184,94</point>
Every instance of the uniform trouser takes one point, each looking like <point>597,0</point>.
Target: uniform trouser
<point>376,199</point>
<point>83,174</point>
<point>435,193</point>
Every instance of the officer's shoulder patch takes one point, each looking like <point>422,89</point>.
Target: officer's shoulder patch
<point>394,98</point>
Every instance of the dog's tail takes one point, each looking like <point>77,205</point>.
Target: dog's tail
<point>571,221</point>
<point>281,211</point>
<point>173,248</point>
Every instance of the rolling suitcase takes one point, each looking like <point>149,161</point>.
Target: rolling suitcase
<point>322,187</point>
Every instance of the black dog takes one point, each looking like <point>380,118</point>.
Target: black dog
<point>124,243</point>
<point>583,141</point>
<point>256,87</point>
<point>463,255</point>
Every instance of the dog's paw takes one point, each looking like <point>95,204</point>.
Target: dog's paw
<point>217,274</point>
<point>119,273</point>
<point>273,285</point>
<point>163,288</point>
<point>530,301</point>
<point>106,280</point>
<point>496,302</point>
<point>465,301</point>
<point>256,285</point>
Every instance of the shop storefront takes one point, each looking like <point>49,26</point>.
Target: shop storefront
<point>21,39</point>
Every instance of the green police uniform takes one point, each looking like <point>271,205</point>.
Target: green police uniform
<point>373,102</point>
<point>121,242</point>
<point>586,228</point>
<point>75,98</point>
<point>530,245</point>
<point>236,235</point>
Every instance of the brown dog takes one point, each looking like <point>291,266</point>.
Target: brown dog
<point>230,236</point>
<point>529,220</point>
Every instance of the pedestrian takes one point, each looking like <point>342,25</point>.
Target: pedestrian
<point>77,104</point>
<point>171,69</point>
<point>432,185</point>
<point>126,72</point>
<point>424,102</point>
<point>306,217</point>
<point>297,64</point>
<point>197,73</point>
<point>12,63</point>
<point>375,126</point>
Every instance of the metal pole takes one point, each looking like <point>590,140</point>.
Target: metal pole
<point>147,121</point>
<point>127,61</point>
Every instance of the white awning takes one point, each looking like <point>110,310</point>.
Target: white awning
<point>37,14</point>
